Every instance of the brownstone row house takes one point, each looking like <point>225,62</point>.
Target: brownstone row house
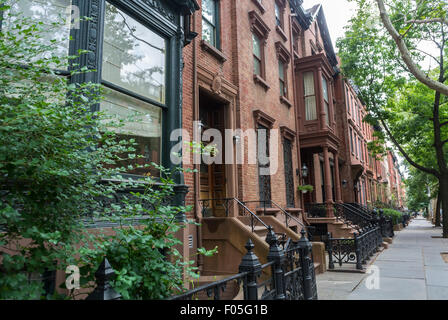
<point>255,77</point>
<point>270,65</point>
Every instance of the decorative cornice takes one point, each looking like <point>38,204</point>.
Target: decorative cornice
<point>157,5</point>
<point>263,119</point>
<point>282,53</point>
<point>287,133</point>
<point>258,25</point>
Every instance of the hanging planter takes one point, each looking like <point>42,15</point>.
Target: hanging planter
<point>305,188</point>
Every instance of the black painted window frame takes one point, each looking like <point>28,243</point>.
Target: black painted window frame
<point>158,23</point>
<point>154,21</point>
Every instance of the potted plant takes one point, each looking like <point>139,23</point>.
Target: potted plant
<point>305,188</point>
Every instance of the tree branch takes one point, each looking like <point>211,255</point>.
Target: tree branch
<point>405,54</point>
<point>433,20</point>
<point>404,153</point>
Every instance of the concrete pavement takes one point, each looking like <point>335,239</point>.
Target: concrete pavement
<point>411,269</point>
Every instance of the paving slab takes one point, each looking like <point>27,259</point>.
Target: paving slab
<point>391,289</point>
<point>437,293</point>
<point>412,268</point>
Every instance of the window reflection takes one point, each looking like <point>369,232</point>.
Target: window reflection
<point>48,12</point>
<point>142,122</point>
<point>133,55</point>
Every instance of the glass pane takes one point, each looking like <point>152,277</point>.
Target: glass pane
<point>256,46</point>
<point>208,10</point>
<point>310,108</point>
<point>308,83</point>
<point>326,114</point>
<point>278,19</point>
<point>134,57</point>
<point>142,122</point>
<point>281,70</point>
<point>208,33</point>
<point>257,66</point>
<point>48,12</point>
<point>325,88</point>
<point>282,88</point>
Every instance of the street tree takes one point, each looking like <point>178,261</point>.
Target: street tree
<point>394,52</point>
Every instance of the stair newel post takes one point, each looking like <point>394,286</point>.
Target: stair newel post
<point>252,266</point>
<point>307,265</point>
<point>330,252</point>
<point>277,255</point>
<point>104,290</point>
<point>358,251</point>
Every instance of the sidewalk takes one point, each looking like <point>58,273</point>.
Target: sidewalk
<point>411,269</point>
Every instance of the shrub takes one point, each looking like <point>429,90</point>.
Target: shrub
<point>57,163</point>
<point>395,215</point>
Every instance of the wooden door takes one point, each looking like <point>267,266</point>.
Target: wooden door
<point>213,176</point>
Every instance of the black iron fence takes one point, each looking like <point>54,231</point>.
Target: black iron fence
<point>406,218</point>
<point>316,210</point>
<point>291,274</point>
<point>386,224</point>
<point>357,250</point>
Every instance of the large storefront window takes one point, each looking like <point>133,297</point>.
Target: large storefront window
<point>129,48</point>
<point>134,59</point>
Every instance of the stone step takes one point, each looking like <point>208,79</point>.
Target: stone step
<point>317,268</point>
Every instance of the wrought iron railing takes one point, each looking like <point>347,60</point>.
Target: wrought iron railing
<point>357,250</point>
<point>316,210</point>
<point>292,274</point>
<point>288,216</point>
<point>386,225</point>
<point>352,217</point>
<point>226,203</point>
<point>406,217</point>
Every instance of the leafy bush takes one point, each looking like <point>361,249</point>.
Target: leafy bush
<point>58,169</point>
<point>395,215</point>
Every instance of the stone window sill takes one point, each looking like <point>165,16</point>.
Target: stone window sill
<point>218,54</point>
<point>281,33</point>
<point>259,80</point>
<point>284,100</point>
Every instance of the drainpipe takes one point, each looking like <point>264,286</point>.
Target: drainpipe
<point>296,110</point>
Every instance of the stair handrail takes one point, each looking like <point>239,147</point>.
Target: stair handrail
<point>355,218</point>
<point>364,209</point>
<point>253,215</point>
<point>359,212</point>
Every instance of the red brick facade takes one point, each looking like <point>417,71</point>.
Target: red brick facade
<point>235,83</point>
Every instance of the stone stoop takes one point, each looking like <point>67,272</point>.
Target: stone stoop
<point>341,229</point>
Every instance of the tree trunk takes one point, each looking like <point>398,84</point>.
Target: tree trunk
<point>437,213</point>
<point>443,184</point>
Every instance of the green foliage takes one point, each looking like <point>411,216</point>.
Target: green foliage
<point>395,215</point>
<point>58,169</point>
<point>305,188</point>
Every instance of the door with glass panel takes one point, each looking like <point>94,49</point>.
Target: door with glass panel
<point>213,176</point>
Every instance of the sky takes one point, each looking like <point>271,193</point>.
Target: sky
<point>337,14</point>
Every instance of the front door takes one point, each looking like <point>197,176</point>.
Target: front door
<point>213,176</point>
